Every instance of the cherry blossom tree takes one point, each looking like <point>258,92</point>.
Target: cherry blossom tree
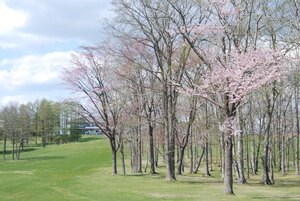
<point>234,58</point>
<point>229,80</point>
<point>96,93</point>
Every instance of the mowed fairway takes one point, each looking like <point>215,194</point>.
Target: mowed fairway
<point>81,171</point>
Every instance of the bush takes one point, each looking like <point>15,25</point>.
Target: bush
<point>74,137</point>
<point>65,138</point>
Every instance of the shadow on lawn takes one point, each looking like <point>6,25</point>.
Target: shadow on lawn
<point>156,175</point>
<point>25,150</point>
<point>275,198</point>
<point>90,138</point>
<point>39,158</point>
<point>203,181</point>
<point>287,183</point>
<point>181,179</point>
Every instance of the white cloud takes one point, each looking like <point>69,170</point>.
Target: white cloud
<point>36,37</point>
<point>11,19</point>
<point>66,20</point>
<point>32,76</point>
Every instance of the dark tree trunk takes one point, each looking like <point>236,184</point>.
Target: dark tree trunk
<point>43,141</point>
<point>265,159</point>
<point>151,150</point>
<point>253,158</point>
<point>186,138</point>
<point>139,146</point>
<point>265,162</point>
<point>298,130</point>
<point>170,126</point>
<point>257,154</point>
<point>231,110</point>
<point>180,162</point>
<point>18,151</point>
<point>4,146</point>
<point>222,153</point>
<point>157,154</point>
<point>240,156</point>
<point>210,156</point>
<point>288,155</point>
<point>114,155</point>
<point>283,149</point>
<point>13,149</point>
<point>191,157</point>
<point>206,149</point>
<point>228,177</point>
<point>247,156</point>
<point>122,158</point>
<point>199,161</point>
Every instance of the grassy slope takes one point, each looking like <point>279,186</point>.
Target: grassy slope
<point>81,171</point>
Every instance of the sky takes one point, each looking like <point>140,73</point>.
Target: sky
<point>37,38</point>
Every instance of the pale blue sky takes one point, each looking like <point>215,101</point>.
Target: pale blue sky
<point>36,40</point>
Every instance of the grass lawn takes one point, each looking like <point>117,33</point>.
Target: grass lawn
<point>82,171</point>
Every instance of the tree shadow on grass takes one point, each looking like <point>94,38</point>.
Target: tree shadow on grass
<point>201,181</point>
<point>146,175</point>
<point>90,138</point>
<point>40,158</point>
<point>25,150</point>
<point>275,198</point>
<point>287,183</point>
<point>182,179</point>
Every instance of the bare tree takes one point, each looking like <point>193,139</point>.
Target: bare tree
<point>92,79</point>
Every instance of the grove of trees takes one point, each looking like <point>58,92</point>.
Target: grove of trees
<point>190,85</point>
<point>42,122</point>
<point>181,81</point>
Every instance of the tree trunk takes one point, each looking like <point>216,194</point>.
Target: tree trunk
<point>253,158</point>
<point>206,168</point>
<point>169,112</point>
<point>282,162</point>
<point>199,161</point>
<point>132,156</point>
<point>247,156</point>
<point>222,153</point>
<point>135,151</point>
<point>157,154</point>
<point>4,146</point>
<point>240,156</point>
<point>210,156</point>
<point>19,151</point>
<point>288,155</point>
<point>191,157</point>
<point>186,138</point>
<point>298,131</point>
<point>123,158</point>
<point>228,177</point>
<point>139,146</point>
<point>13,149</point>
<point>257,154</point>
<point>265,160</point>
<point>114,155</point>
<point>180,162</point>
<point>151,150</point>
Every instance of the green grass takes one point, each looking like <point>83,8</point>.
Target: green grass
<point>82,171</point>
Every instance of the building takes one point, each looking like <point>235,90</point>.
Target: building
<point>89,129</point>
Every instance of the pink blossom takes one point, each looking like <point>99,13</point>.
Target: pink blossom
<point>238,74</point>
